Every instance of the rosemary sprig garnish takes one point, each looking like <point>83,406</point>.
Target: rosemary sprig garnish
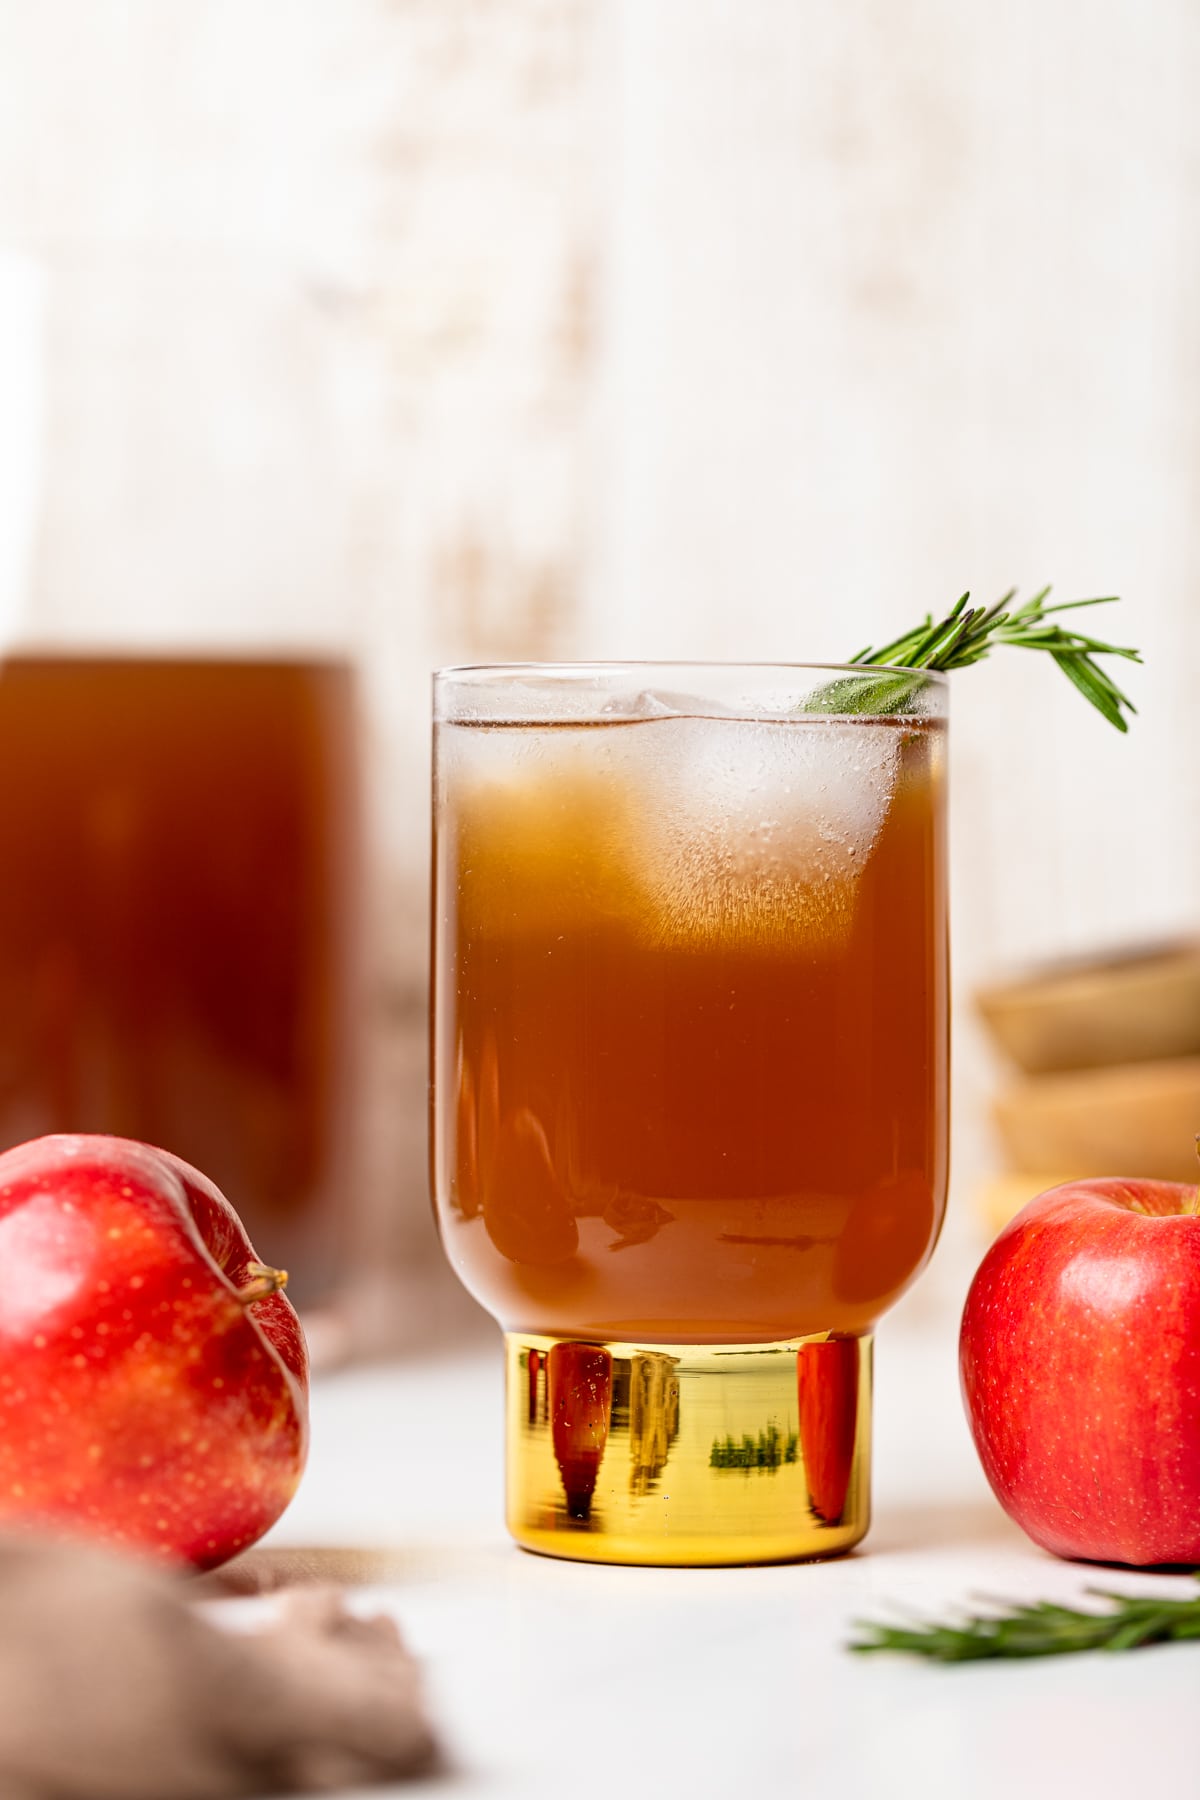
<point>966,635</point>
<point>1041,1628</point>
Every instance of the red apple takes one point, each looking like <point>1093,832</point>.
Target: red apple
<point>153,1378</point>
<point>1080,1364</point>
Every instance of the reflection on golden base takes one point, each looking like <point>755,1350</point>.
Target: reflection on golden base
<point>688,1453</point>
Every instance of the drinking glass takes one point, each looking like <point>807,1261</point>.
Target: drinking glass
<point>689,1059</point>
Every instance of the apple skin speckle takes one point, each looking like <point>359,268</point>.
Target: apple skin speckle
<point>142,1401</point>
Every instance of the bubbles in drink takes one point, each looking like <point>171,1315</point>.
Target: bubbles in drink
<point>695,826</point>
<point>748,828</point>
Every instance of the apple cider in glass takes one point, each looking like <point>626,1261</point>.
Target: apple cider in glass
<point>690,1085</point>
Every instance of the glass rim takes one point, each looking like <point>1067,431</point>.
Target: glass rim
<point>566,669</point>
<point>550,693</point>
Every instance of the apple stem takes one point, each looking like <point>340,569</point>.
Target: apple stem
<point>263,1281</point>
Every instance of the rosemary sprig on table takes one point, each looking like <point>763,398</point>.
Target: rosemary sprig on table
<point>966,635</point>
<point>1041,1628</point>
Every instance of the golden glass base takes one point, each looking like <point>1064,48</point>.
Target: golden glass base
<point>688,1453</point>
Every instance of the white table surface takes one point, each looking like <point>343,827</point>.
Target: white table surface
<point>556,1680</point>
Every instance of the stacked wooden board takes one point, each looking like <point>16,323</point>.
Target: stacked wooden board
<point>1107,1054</point>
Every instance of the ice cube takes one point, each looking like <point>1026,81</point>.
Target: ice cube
<point>665,704</point>
<point>645,704</point>
<point>588,696</point>
<point>753,827</point>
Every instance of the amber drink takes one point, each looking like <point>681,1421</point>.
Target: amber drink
<point>690,1083</point>
<point>178,918</point>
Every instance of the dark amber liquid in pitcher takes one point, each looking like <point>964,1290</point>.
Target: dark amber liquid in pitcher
<point>179,843</point>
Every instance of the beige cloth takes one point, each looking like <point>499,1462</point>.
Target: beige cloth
<point>114,1686</point>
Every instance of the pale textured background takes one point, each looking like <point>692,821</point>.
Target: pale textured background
<point>441,330</point>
